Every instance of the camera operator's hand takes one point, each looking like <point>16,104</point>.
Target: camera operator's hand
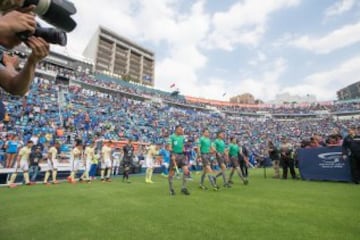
<point>16,21</point>
<point>40,49</point>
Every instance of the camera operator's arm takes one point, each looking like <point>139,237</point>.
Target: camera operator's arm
<point>17,83</point>
<point>15,22</point>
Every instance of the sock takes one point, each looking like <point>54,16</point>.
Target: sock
<point>147,174</point>
<point>184,181</point>
<point>231,174</point>
<point>108,173</point>
<point>202,179</point>
<point>12,178</point>
<point>238,170</point>
<point>86,175</point>
<point>72,175</point>
<point>211,179</point>
<point>26,177</point>
<point>102,173</point>
<point>223,175</point>
<point>47,174</point>
<point>150,173</point>
<point>127,175</point>
<point>54,174</point>
<point>171,182</point>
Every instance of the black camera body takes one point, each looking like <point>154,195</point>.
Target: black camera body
<point>56,13</point>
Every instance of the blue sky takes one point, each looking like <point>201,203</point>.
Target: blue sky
<point>209,47</point>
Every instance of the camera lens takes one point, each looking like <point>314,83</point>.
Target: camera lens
<point>52,35</point>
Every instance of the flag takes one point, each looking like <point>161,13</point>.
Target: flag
<point>172,85</point>
<point>224,94</point>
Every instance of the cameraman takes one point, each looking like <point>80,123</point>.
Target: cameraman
<point>17,83</point>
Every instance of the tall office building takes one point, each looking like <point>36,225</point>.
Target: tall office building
<point>115,55</point>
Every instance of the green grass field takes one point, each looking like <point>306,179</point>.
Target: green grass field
<point>265,209</point>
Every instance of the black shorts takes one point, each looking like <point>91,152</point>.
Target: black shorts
<point>126,164</point>
<point>220,157</point>
<point>180,160</point>
<point>206,159</point>
<point>234,162</point>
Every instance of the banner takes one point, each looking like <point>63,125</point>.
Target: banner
<point>324,163</point>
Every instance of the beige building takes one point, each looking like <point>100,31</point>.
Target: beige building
<point>245,98</point>
<point>117,56</point>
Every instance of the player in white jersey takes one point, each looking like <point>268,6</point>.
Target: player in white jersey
<point>76,158</point>
<point>52,163</point>
<point>106,161</point>
<point>152,152</point>
<point>88,157</point>
<point>117,155</point>
<point>22,162</point>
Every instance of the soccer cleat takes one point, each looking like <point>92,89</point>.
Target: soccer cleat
<point>246,182</point>
<point>227,185</point>
<point>185,191</point>
<point>102,180</point>
<point>55,182</point>
<point>47,183</point>
<point>164,175</point>
<point>216,188</point>
<point>108,180</point>
<point>203,187</point>
<point>128,181</point>
<point>172,192</point>
<point>12,185</point>
<point>230,182</point>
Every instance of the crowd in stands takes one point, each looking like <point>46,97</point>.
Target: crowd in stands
<point>48,112</point>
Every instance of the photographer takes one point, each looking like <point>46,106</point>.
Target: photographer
<point>17,83</point>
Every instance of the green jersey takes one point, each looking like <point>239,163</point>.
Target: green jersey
<point>219,145</point>
<point>233,150</point>
<point>177,143</point>
<point>204,144</point>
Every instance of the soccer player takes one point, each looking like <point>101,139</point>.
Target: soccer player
<point>76,155</point>
<point>221,156</point>
<point>176,142</point>
<point>152,152</point>
<point>52,163</point>
<point>11,147</point>
<point>165,153</point>
<point>22,162</point>
<point>127,162</point>
<point>116,160</point>
<point>89,155</point>
<point>234,151</point>
<point>106,161</point>
<point>204,152</point>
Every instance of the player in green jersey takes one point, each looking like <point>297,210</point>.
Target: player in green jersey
<point>177,159</point>
<point>205,149</point>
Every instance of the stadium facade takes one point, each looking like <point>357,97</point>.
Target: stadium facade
<point>120,57</point>
<point>350,92</point>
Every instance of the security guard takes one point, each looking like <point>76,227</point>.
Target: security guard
<point>351,149</point>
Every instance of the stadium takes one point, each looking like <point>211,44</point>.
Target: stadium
<point>107,126</point>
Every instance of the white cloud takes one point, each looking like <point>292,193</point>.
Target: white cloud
<point>325,84</point>
<point>265,85</point>
<point>260,57</point>
<point>244,22</point>
<point>339,8</point>
<point>339,38</point>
